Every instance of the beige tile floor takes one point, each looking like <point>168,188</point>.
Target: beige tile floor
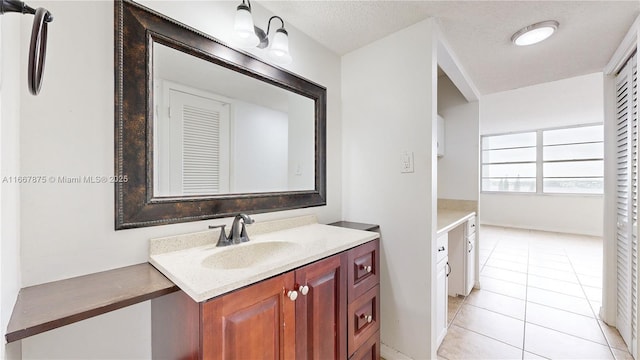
<point>540,296</point>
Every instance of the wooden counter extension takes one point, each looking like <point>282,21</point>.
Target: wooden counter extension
<point>51,305</point>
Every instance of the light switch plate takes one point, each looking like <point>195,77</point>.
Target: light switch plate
<point>406,161</point>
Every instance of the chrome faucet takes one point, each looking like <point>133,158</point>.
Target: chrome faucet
<point>236,235</point>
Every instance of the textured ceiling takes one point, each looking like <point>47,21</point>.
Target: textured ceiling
<point>479,33</point>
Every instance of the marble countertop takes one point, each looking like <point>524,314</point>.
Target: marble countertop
<point>188,266</point>
<point>449,219</point>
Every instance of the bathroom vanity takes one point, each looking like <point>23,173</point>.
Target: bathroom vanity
<point>316,298</point>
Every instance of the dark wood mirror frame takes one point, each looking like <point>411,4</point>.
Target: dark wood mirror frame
<point>136,29</point>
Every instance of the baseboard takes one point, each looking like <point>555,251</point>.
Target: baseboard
<point>540,228</point>
<point>392,354</point>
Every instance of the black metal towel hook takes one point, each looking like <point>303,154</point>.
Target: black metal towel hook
<point>38,46</point>
<point>18,6</point>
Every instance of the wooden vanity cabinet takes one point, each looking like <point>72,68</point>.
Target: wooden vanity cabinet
<point>257,322</point>
<point>370,350</point>
<point>254,322</point>
<point>264,320</point>
<point>321,313</point>
<point>364,299</point>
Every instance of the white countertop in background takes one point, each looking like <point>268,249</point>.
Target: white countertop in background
<point>449,219</point>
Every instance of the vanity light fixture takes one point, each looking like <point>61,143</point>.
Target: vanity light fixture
<point>248,35</point>
<point>535,33</point>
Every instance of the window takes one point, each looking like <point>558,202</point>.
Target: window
<point>509,162</point>
<point>553,161</point>
<point>573,160</point>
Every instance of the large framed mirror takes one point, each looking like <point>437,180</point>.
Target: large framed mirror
<point>203,130</point>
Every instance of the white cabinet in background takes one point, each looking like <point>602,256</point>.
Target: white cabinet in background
<point>462,258</point>
<point>470,264</point>
<point>442,303</point>
<point>440,136</point>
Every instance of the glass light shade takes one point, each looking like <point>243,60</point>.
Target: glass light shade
<point>535,33</point>
<point>243,26</point>
<point>279,50</point>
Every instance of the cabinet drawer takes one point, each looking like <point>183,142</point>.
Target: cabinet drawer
<point>363,268</point>
<point>363,319</point>
<point>442,246</point>
<point>370,350</point>
<point>471,226</point>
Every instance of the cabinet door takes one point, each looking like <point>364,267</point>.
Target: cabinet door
<point>321,313</point>
<point>256,322</point>
<point>470,264</point>
<point>457,257</point>
<point>441,300</point>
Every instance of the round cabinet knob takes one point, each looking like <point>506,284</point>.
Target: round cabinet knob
<point>292,294</point>
<point>304,290</point>
<point>366,268</point>
<point>368,318</point>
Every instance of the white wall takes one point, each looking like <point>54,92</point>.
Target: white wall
<point>68,229</point>
<point>10,85</point>
<point>573,101</point>
<point>260,149</point>
<point>301,144</point>
<point>566,214</point>
<point>458,169</point>
<point>389,105</point>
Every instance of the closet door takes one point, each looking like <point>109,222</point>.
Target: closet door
<point>627,201</point>
<point>202,148</point>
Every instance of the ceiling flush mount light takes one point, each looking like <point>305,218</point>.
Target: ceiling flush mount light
<point>248,35</point>
<point>535,33</point>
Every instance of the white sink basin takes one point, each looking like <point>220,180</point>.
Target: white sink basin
<point>250,254</point>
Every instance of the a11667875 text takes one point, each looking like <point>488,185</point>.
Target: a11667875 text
<point>78,179</point>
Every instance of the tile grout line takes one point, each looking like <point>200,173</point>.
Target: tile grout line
<point>535,287</point>
<point>543,326</point>
<point>573,272</point>
<point>595,316</point>
<point>526,273</point>
<point>495,312</point>
<point>464,298</point>
<point>488,257</point>
<point>572,335</point>
<point>487,336</point>
<point>561,309</point>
